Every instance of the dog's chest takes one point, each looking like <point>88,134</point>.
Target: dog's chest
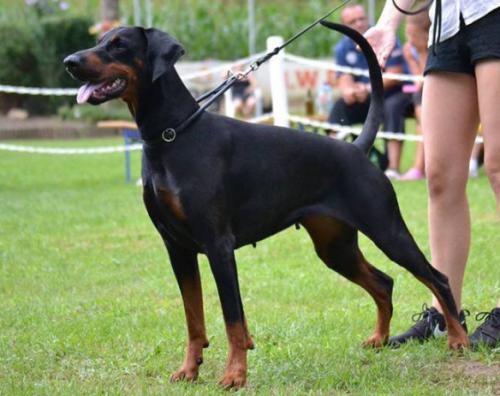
<point>168,196</point>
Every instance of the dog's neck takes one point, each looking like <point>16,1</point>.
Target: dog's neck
<point>166,103</point>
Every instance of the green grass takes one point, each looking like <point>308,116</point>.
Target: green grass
<point>89,304</point>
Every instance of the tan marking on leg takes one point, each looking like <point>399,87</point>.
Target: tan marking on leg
<point>250,343</point>
<point>197,338</point>
<point>383,301</point>
<point>235,375</point>
<point>325,230</point>
<point>457,337</point>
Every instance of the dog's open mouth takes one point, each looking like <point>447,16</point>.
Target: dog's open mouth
<point>102,91</point>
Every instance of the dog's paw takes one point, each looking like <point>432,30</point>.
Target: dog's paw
<point>458,339</point>
<point>250,344</point>
<point>375,341</point>
<point>185,374</point>
<point>458,344</point>
<point>233,379</point>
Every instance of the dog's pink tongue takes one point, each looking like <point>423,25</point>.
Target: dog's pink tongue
<point>85,91</point>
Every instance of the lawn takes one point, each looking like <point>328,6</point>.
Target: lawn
<point>89,304</point>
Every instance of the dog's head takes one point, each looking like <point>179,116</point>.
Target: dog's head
<point>123,59</point>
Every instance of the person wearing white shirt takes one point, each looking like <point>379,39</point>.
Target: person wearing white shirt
<point>461,87</point>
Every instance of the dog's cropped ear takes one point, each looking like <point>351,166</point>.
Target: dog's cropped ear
<point>163,51</point>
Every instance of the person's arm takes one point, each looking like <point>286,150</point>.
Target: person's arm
<point>382,36</point>
<point>396,65</point>
<point>348,88</point>
<point>413,64</point>
<point>391,82</point>
<point>345,82</point>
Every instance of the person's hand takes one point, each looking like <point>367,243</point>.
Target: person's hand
<point>382,40</point>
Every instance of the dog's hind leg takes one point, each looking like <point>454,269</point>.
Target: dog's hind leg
<point>388,231</point>
<point>336,244</point>
<point>222,262</point>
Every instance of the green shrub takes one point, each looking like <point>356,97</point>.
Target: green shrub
<point>219,29</point>
<point>31,54</point>
<point>18,63</point>
<point>62,36</point>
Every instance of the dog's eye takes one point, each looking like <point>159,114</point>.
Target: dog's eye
<point>115,44</point>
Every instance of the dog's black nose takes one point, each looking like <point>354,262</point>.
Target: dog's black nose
<point>72,62</point>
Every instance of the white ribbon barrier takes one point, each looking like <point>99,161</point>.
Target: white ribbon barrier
<point>69,150</point>
<point>225,67</point>
<point>343,131</point>
<point>325,65</point>
<point>39,91</point>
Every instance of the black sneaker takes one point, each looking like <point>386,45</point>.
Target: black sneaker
<point>488,333</point>
<point>429,323</point>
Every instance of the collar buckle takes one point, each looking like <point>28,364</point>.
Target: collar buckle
<point>168,135</point>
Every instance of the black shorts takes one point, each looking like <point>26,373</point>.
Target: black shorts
<point>478,41</point>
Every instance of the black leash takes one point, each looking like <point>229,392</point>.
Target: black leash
<point>169,134</point>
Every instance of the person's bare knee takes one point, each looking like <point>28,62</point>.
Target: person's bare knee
<point>443,185</point>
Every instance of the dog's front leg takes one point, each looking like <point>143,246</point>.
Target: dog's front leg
<point>185,265</point>
<point>223,265</point>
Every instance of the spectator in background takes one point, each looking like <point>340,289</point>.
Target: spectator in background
<point>243,92</point>
<point>415,54</point>
<point>352,106</point>
<point>477,157</point>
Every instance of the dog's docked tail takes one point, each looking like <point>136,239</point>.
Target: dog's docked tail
<point>376,110</point>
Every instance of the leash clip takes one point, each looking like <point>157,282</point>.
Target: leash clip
<point>241,75</point>
<point>169,135</point>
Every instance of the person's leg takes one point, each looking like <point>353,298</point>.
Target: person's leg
<point>449,122</point>
<point>419,153</point>
<point>394,148</point>
<point>395,107</point>
<point>237,104</point>
<point>474,160</point>
<point>488,86</point>
<point>417,171</point>
<point>249,106</point>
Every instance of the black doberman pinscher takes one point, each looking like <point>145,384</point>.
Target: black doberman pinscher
<point>223,183</point>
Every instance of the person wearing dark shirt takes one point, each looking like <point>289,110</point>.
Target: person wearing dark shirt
<point>243,92</point>
<point>352,106</point>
